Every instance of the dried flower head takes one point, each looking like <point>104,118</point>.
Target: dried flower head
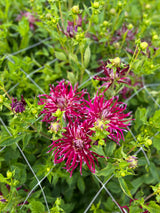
<point>72,27</point>
<point>113,73</point>
<point>132,160</point>
<point>18,106</point>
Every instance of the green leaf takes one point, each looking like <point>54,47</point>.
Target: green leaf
<point>26,139</point>
<point>81,184</point>
<point>110,148</point>
<point>154,172</point>
<point>8,141</point>
<point>152,207</point>
<point>36,207</point>
<point>98,150</point>
<point>60,55</point>
<point>87,56</point>
<point>141,117</point>
<point>156,142</point>
<point>108,170</point>
<point>71,77</point>
<point>124,187</point>
<point>73,57</point>
<point>3,179</point>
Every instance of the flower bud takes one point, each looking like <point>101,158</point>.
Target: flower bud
<point>48,16</point>
<point>145,15</point>
<point>54,127</point>
<point>149,142</point>
<point>146,22</point>
<point>9,174</point>
<point>148,6</point>
<point>119,4</point>
<point>132,160</point>
<point>105,23</point>
<point>101,142</point>
<point>116,45</point>
<point>48,169</point>
<point>58,113</point>
<point>75,9</point>
<point>122,174</point>
<point>130,26</point>
<point>112,11</point>
<point>34,111</point>
<point>96,5</point>
<point>116,61</point>
<point>99,125</point>
<point>54,21</point>
<point>155,37</point>
<point>125,14</point>
<point>143,45</point>
<point>1,99</point>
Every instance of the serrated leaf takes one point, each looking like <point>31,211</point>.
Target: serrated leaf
<point>8,141</point>
<point>110,148</point>
<point>108,170</point>
<point>3,179</point>
<point>73,57</point>
<point>124,187</point>
<point>26,139</point>
<point>156,142</point>
<point>60,55</point>
<point>87,56</point>
<point>154,171</point>
<point>152,207</point>
<point>81,184</point>
<point>98,150</point>
<point>36,207</point>
<point>71,77</point>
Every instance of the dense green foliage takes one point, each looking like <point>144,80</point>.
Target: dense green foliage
<point>37,50</point>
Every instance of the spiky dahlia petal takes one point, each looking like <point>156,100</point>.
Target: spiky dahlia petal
<point>110,111</point>
<point>65,98</point>
<point>74,147</point>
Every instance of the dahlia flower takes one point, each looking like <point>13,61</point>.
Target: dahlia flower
<point>65,98</point>
<point>74,147</point>
<point>18,106</point>
<point>108,115</point>
<point>112,76</point>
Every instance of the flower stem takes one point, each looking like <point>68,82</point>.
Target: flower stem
<point>6,93</point>
<point>149,196</point>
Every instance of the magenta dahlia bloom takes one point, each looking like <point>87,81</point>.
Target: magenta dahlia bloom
<point>74,148</point>
<point>108,115</point>
<point>18,106</point>
<point>65,98</point>
<point>111,77</point>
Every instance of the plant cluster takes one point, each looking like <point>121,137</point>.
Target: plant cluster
<point>79,106</point>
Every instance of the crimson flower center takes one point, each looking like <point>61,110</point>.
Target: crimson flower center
<point>62,102</point>
<point>78,143</point>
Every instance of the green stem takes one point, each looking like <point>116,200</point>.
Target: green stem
<point>83,69</point>
<point>60,11</point>
<point>149,196</point>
